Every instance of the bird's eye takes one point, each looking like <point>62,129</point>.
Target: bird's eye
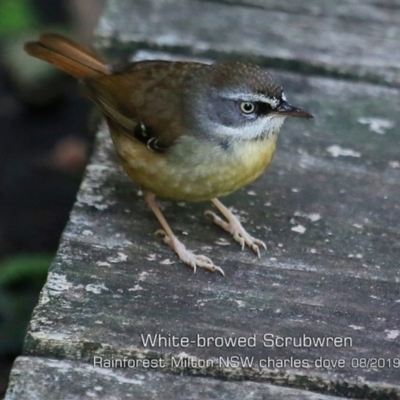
<point>247,107</point>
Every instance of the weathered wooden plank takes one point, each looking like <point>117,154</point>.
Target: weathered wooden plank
<point>354,38</point>
<point>368,10</point>
<point>113,280</point>
<point>38,379</point>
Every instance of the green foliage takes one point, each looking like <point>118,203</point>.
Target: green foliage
<point>15,15</point>
<point>31,269</point>
<point>21,279</point>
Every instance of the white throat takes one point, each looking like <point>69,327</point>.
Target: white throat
<point>261,127</point>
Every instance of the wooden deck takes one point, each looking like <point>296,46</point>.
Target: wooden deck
<point>318,316</point>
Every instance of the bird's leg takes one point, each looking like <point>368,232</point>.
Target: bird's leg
<point>186,256</point>
<point>234,227</point>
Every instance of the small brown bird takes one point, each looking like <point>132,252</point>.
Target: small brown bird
<point>183,130</point>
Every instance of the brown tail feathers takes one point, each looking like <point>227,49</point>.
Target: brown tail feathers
<point>67,55</point>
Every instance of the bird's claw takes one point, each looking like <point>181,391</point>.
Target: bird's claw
<point>235,228</point>
<point>187,257</point>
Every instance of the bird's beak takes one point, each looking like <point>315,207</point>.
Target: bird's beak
<point>287,110</point>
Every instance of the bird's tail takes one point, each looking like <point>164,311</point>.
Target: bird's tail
<point>68,56</point>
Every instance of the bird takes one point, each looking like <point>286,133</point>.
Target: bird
<point>183,131</point>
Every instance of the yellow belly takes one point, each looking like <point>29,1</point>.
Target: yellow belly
<point>193,169</point>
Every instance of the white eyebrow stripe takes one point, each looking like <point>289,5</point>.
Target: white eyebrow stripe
<point>272,101</point>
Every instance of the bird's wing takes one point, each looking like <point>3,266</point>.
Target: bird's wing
<point>144,98</point>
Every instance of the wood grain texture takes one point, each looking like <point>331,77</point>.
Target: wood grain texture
<point>113,280</point>
<point>347,38</point>
<point>66,379</point>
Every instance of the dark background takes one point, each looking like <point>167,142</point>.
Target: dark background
<point>44,146</point>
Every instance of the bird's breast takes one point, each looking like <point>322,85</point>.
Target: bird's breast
<point>195,169</point>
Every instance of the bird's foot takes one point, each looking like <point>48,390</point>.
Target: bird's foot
<point>187,257</point>
<point>234,227</point>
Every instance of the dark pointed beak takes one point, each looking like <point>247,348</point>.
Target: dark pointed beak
<point>288,110</point>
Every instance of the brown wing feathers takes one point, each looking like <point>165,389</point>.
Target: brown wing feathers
<point>128,99</point>
<point>67,56</point>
